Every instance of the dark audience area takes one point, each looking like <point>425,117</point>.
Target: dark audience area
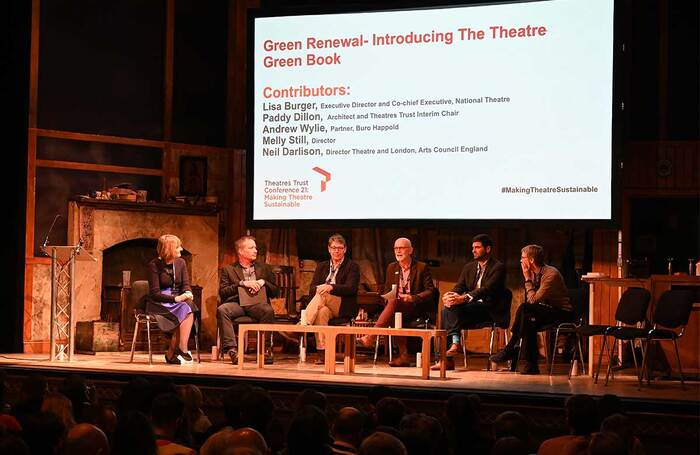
<point>156,416</point>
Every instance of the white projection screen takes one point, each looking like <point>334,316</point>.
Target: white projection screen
<point>476,112</point>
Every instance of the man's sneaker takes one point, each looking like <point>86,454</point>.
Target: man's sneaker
<point>233,355</point>
<point>503,355</point>
<point>529,368</point>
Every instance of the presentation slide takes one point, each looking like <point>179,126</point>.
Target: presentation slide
<point>493,112</point>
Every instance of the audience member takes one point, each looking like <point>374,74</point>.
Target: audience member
<point>463,425</point>
<point>137,395</point>
<point>422,434</point>
<point>86,439</point>
<point>511,423</point>
<point>134,436</point>
<point>257,409</point>
<point>389,412</point>
<point>606,444</point>
<point>380,443</point>
<point>61,406</point>
<point>235,442</point>
<point>13,445</point>
<point>308,434</point>
<point>43,433</point>
<point>310,397</point>
<point>509,445</point>
<point>233,397</point>
<point>166,417</point>
<point>75,387</point>
<point>622,427</point>
<point>196,422</point>
<point>347,431</point>
<point>581,417</point>
<point>31,395</point>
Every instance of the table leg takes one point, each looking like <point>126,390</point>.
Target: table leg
<point>425,357</point>
<point>329,361</point>
<point>242,334</point>
<point>260,350</point>
<point>443,357</point>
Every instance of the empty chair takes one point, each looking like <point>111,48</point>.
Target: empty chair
<point>631,310</point>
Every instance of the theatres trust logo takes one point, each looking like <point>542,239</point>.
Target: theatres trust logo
<point>326,177</point>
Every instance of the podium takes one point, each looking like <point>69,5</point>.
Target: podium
<point>62,331</point>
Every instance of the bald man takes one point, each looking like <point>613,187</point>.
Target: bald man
<point>412,297</point>
<point>235,442</point>
<point>86,439</point>
<point>347,431</point>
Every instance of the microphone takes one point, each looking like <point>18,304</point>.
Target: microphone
<point>46,240</point>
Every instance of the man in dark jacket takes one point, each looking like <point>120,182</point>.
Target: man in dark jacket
<point>255,283</point>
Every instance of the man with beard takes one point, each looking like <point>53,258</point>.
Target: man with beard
<point>479,296</point>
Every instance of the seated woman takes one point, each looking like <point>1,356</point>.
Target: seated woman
<point>170,297</point>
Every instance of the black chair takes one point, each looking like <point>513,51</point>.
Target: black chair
<point>631,310</point>
<point>578,315</point>
<point>138,295</point>
<point>579,304</point>
<point>503,324</point>
<point>671,311</point>
<point>237,322</point>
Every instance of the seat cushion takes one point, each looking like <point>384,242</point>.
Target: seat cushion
<point>628,333</point>
<point>592,330</point>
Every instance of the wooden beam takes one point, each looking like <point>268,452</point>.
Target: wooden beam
<point>31,195</point>
<point>98,138</point>
<point>99,167</point>
<point>168,69</point>
<point>34,64</point>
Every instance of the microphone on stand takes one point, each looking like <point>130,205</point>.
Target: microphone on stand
<point>46,240</point>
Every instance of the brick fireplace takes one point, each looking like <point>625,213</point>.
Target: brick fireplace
<point>104,225</point>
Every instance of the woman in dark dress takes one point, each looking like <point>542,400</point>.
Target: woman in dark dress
<point>170,297</point>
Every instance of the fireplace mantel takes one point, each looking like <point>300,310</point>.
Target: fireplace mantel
<point>103,224</point>
<point>155,207</point>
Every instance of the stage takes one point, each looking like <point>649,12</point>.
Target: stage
<point>287,369</point>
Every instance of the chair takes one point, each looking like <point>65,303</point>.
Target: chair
<point>671,311</point>
<point>631,310</point>
<point>138,295</point>
<point>579,312</point>
<point>503,324</point>
<point>284,275</point>
<point>579,304</point>
<point>236,322</point>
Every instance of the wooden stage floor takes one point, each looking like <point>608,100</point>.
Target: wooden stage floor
<point>286,369</point>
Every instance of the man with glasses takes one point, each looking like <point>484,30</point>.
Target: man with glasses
<point>334,289</point>
<point>409,287</point>
<point>546,302</point>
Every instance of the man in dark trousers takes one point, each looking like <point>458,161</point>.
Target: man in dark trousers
<point>334,289</point>
<point>546,302</point>
<point>245,289</point>
<point>479,296</point>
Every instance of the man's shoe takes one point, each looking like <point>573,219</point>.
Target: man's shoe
<point>367,341</point>
<point>455,349</point>
<point>321,358</point>
<point>268,358</point>
<point>450,365</point>
<point>400,361</point>
<point>503,355</point>
<point>233,355</point>
<point>530,368</point>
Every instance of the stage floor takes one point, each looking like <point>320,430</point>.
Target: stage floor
<point>286,368</point>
